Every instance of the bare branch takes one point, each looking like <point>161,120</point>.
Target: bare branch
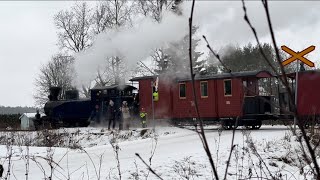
<point>201,134</point>
<point>150,169</point>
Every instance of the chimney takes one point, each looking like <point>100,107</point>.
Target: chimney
<point>72,94</point>
<point>54,93</point>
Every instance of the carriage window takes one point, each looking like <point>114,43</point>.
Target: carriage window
<point>204,89</point>
<point>227,87</point>
<point>182,90</point>
<point>244,83</point>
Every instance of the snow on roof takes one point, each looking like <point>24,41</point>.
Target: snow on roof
<point>229,75</point>
<point>203,69</point>
<point>30,115</point>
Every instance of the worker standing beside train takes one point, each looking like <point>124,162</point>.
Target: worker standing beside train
<point>125,115</point>
<point>111,113</point>
<point>37,120</point>
<point>143,118</point>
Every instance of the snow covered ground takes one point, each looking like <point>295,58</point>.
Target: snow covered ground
<point>178,154</point>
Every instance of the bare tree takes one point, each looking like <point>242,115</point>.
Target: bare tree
<point>112,15</point>
<point>74,27</point>
<point>155,10</point>
<point>75,31</point>
<point>57,72</point>
<point>110,73</point>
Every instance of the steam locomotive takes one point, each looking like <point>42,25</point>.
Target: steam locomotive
<point>234,99</point>
<point>72,111</point>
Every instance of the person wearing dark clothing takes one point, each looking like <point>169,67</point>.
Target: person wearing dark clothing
<point>135,107</point>
<point>37,121</point>
<point>38,116</point>
<point>111,113</point>
<point>1,170</point>
<point>95,116</point>
<point>302,68</point>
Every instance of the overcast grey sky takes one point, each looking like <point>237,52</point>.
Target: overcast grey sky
<point>28,39</point>
<point>28,36</point>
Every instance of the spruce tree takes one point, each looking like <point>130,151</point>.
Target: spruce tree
<point>176,56</point>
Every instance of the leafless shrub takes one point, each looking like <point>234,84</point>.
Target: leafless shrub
<point>116,149</point>
<point>186,169</point>
<point>97,170</point>
<point>26,158</point>
<point>217,142</point>
<point>135,175</point>
<point>262,163</point>
<point>112,174</point>
<point>149,168</point>
<point>48,138</point>
<point>49,159</point>
<point>154,144</point>
<point>9,145</point>
<point>288,136</point>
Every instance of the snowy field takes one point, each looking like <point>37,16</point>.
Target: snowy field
<point>90,153</point>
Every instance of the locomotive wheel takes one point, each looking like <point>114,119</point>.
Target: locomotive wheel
<point>256,126</point>
<point>233,126</point>
<point>228,125</point>
<point>225,127</point>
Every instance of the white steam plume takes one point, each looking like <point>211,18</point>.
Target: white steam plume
<point>222,22</point>
<point>133,44</point>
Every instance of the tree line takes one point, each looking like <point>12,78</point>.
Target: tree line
<point>15,110</point>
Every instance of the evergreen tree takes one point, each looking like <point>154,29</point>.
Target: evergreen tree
<point>176,56</point>
<point>249,58</point>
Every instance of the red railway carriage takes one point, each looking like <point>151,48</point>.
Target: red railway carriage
<point>227,97</point>
<point>308,97</point>
<point>220,97</point>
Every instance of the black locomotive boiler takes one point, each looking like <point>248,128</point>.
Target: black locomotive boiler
<point>72,111</point>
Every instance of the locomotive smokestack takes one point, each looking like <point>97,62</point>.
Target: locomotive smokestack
<point>54,93</point>
<point>72,94</point>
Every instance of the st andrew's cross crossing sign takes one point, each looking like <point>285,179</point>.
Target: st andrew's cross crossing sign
<point>298,56</point>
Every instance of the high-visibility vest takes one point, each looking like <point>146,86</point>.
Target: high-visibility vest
<point>155,96</point>
<point>143,114</point>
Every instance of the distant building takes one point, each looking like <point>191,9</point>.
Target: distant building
<point>27,120</point>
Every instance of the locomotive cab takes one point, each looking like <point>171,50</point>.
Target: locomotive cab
<point>101,96</point>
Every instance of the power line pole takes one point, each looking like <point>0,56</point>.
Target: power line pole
<point>153,123</point>
<point>296,96</point>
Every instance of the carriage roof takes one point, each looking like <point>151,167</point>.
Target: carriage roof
<point>257,74</point>
<point>118,87</point>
